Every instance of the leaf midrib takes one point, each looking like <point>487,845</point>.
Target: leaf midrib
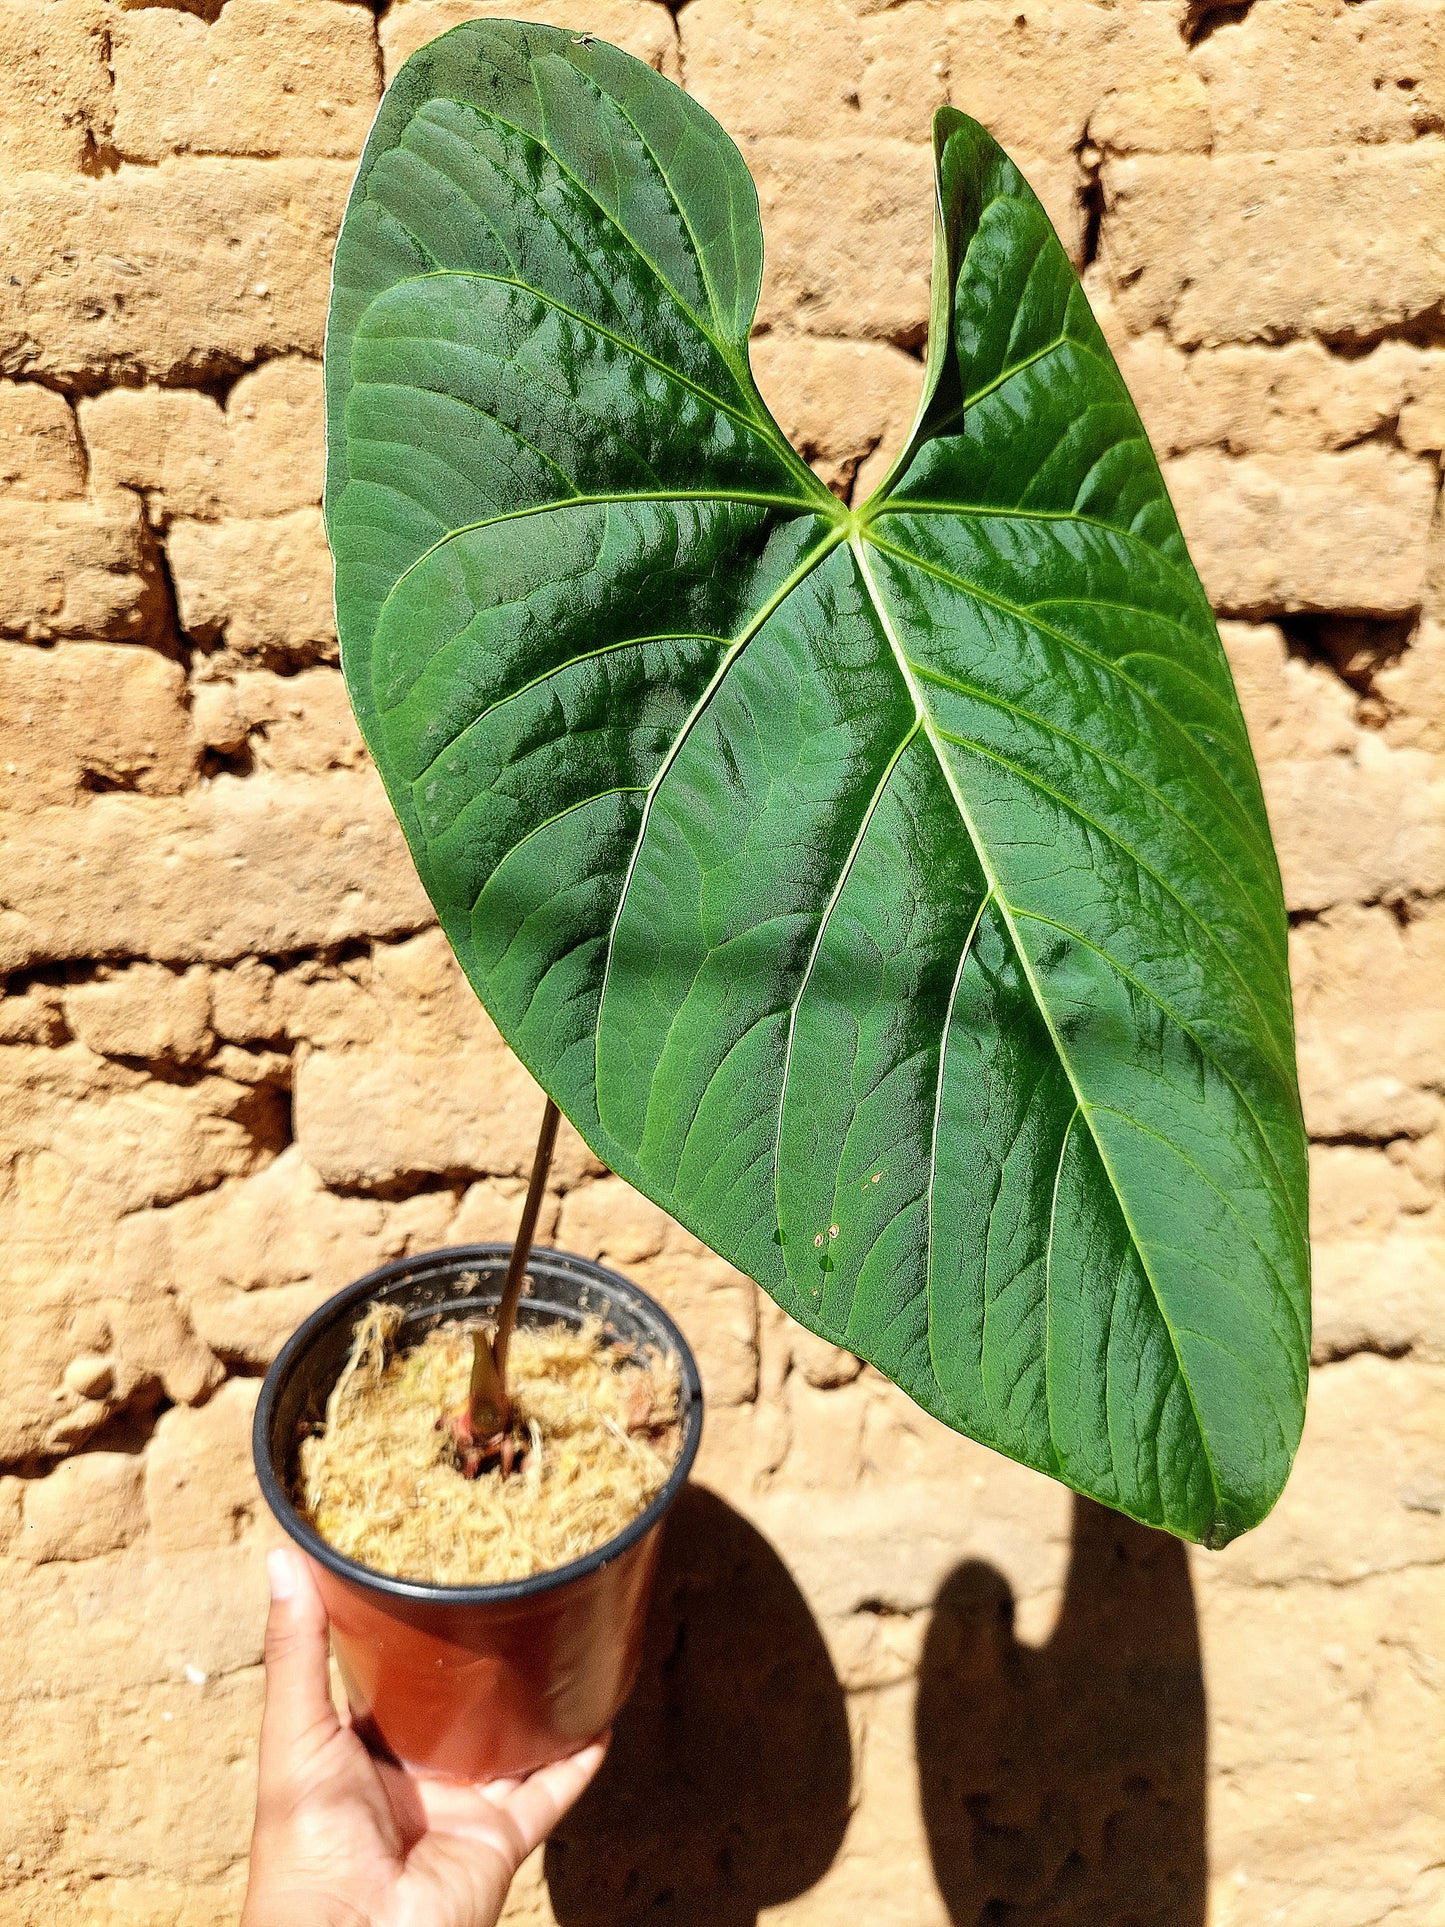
<point>981,851</point>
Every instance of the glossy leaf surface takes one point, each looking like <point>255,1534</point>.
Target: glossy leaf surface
<point>887,893</point>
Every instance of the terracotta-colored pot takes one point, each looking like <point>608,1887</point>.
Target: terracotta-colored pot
<point>472,1682</point>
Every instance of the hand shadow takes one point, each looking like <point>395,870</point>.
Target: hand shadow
<point>727,1787</point>
<point>1063,1785</point>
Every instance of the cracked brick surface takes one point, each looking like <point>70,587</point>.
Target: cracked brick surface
<point>238,1066</point>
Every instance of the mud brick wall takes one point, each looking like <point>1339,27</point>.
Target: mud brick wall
<point>892,1677</point>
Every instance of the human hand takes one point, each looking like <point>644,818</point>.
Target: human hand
<point>344,1840</point>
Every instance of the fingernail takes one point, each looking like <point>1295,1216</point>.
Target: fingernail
<point>281,1571</point>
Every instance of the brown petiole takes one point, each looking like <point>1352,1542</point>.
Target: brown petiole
<point>486,1431</point>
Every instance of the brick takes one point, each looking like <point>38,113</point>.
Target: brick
<point>200,1489</point>
<point>1038,78</point>
<point>642,28</point>
<point>824,1366</point>
<point>157,1344</point>
<point>277,439</point>
<point>171,1769</point>
<point>1352,1724</point>
<point>90,1504</point>
<point>54,85</point>
<point>256,1256</point>
<point>77,569</point>
<point>142,1140</point>
<point>258,1234</point>
<point>769,70</point>
<point>845,1555</point>
<point>263,1070</point>
<point>611,1222</point>
<point>489,1210</point>
<point>62,1269</point>
<point>1168,114</point>
<point>244,1006</point>
<point>167,273</point>
<point>91,716</point>
<point>412,992</point>
<point>32,1016</point>
<point>203,9</point>
<point>11,1493</point>
<point>1041,78</point>
<point>264,587</point>
<point>40,1413</point>
<point>1251,401</point>
<point>40,454</point>
<point>1380,1294</point>
<point>368,1118</point>
<point>849,227</point>
<point>270,77</point>
<point>269,866</point>
<point>298,725</point>
<point>143,1011</point>
<point>1358,829</point>
<point>167,444</point>
<point>393,1031</point>
<point>1369,1021</point>
<point>247,1329</point>
<point>1293,708</point>
<point>825,1436</point>
<point>1413,687</point>
<point>139,1621</point>
<point>849,232</point>
<point>1361,1189</point>
<point>846,406</point>
<point>715,1306</point>
<point>1277,534</point>
<point>1331,241</point>
<point>1421,425</point>
<point>1321,73</point>
<point>261,456</point>
<point>904,61</point>
<point>171,1764</point>
<point>1350,1509</point>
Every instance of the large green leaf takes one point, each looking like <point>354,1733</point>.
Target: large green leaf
<point>886,892</point>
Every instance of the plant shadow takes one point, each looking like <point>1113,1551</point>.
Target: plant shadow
<point>1064,1785</point>
<point>728,1785</point>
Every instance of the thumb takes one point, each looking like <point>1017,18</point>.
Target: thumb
<point>299,1716</point>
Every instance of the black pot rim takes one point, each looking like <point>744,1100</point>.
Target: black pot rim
<point>428,1592</point>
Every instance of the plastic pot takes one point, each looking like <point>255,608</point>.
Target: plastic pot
<point>473,1682</point>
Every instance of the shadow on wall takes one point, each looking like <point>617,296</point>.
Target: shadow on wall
<point>1062,1785</point>
<point>728,1785</point>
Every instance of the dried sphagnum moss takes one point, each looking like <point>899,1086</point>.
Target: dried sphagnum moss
<point>381,1482</point>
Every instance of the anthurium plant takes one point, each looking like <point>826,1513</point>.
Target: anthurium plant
<point>885,890</point>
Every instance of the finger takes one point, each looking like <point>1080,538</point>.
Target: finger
<point>463,1806</point>
<point>499,1790</point>
<point>544,1796</point>
<point>299,1715</point>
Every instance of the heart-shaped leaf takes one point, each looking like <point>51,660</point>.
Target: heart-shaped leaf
<point>886,892</point>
